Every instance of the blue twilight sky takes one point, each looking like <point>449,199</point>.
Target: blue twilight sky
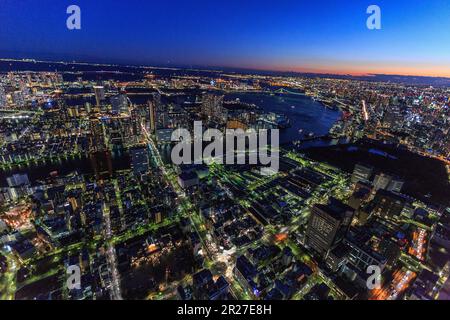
<point>297,35</point>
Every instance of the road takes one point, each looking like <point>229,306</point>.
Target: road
<point>111,258</point>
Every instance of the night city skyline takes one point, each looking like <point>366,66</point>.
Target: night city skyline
<point>223,159</point>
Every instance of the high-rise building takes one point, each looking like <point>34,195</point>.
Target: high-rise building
<point>396,185</point>
<point>155,111</point>
<point>139,160</point>
<point>212,107</point>
<point>362,256</point>
<point>152,111</point>
<point>328,225</point>
<point>381,181</point>
<point>97,141</point>
<point>161,116</point>
<point>362,173</point>
<point>119,104</point>
<point>99,92</point>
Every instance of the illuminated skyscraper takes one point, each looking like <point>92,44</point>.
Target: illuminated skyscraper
<point>99,92</point>
<point>212,107</point>
<point>152,111</point>
<point>158,116</point>
<point>328,225</point>
<point>119,104</point>
<point>361,173</point>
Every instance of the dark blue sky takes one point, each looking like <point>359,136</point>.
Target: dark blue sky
<point>301,35</point>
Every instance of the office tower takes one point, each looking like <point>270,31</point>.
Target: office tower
<point>389,204</point>
<point>361,173</point>
<point>152,111</point>
<point>212,106</point>
<point>139,160</point>
<point>156,109</point>
<point>136,128</point>
<point>2,97</point>
<point>396,185</point>
<point>161,116</point>
<point>328,225</point>
<point>119,104</point>
<point>99,92</point>
<point>361,256</point>
<point>381,181</point>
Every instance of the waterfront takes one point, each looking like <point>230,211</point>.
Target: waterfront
<point>303,112</point>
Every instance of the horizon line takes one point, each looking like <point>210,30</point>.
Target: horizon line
<point>223,67</point>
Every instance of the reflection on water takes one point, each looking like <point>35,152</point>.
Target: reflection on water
<point>120,161</point>
<point>306,115</point>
